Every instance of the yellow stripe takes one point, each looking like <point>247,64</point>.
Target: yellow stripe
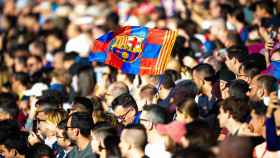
<point>159,60</point>
<point>166,50</point>
<point>172,39</point>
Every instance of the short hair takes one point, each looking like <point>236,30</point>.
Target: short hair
<point>39,150</point>
<point>269,83</point>
<point>148,91</point>
<point>174,74</point>
<point>238,13</point>
<point>166,81</point>
<point>8,104</point>
<point>118,88</point>
<point>189,108</point>
<point>238,108</point>
<point>238,89</point>
<point>184,89</point>
<point>238,52</point>
<point>136,135</point>
<point>37,58</point>
<point>71,56</point>
<point>55,117</point>
<point>258,107</point>
<point>22,77</point>
<point>194,152</point>
<point>86,103</point>
<point>125,100</point>
<point>82,121</point>
<point>155,113</point>
<point>199,133</point>
<point>206,71</point>
<point>250,68</point>
<point>17,141</point>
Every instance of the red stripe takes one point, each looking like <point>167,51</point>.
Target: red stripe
<point>113,60</point>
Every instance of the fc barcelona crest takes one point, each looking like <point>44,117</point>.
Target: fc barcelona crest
<point>127,48</point>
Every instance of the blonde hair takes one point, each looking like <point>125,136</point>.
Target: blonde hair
<point>54,117</point>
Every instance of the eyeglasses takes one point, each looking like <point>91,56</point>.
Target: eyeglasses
<point>122,117</point>
<point>177,109</point>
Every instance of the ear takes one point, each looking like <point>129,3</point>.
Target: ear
<point>260,93</point>
<point>76,131</point>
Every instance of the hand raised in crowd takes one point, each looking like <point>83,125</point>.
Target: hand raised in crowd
<point>273,104</point>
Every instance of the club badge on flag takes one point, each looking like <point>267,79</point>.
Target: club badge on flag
<point>135,49</point>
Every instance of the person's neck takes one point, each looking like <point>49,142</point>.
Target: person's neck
<point>136,153</point>
<point>207,90</point>
<point>153,137</point>
<point>233,126</point>
<point>82,142</point>
<point>239,26</point>
<point>68,148</point>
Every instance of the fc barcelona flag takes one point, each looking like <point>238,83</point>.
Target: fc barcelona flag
<point>135,49</point>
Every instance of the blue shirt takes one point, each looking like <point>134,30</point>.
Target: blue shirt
<point>272,139</point>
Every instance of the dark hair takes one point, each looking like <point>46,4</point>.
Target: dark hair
<point>238,52</point>
<point>39,150</point>
<point>194,152</point>
<point>234,38</point>
<point>167,81</point>
<point>206,70</point>
<point>250,68</point>
<point>125,100</point>
<point>200,134</point>
<point>259,107</point>
<point>238,13</point>
<point>189,107</point>
<point>267,5</point>
<point>174,74</point>
<point>17,141</point>
<point>49,103</point>
<point>82,121</point>
<point>269,83</point>
<point>8,104</point>
<point>155,113</point>
<point>22,77</point>
<point>238,89</point>
<point>184,89</point>
<point>84,102</point>
<point>70,56</point>
<point>38,58</point>
<point>238,108</point>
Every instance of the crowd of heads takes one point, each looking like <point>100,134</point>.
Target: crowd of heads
<point>217,98</point>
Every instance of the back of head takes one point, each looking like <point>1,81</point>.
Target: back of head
<point>40,150</point>
<point>189,108</point>
<point>238,89</point>
<point>200,134</point>
<point>8,104</point>
<point>154,113</point>
<point>135,135</point>
<point>237,108</point>
<point>148,91</point>
<point>240,53</point>
<point>206,71</point>
<point>236,147</point>
<point>82,121</point>
<point>125,100</point>
<point>184,89</point>
<point>269,83</point>
<point>84,103</point>
<point>166,81</point>
<point>250,69</point>
<point>194,152</point>
<point>118,88</point>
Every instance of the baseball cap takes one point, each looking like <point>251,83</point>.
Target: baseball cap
<point>36,90</point>
<point>175,130</point>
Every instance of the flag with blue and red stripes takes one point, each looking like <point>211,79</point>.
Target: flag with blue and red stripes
<point>135,49</point>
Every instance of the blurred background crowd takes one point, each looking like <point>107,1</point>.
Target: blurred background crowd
<point>218,97</point>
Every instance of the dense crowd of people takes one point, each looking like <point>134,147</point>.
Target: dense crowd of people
<point>218,97</point>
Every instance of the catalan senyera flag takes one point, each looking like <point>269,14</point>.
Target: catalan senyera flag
<point>135,49</point>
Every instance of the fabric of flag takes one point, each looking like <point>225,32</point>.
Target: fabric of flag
<point>135,49</point>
